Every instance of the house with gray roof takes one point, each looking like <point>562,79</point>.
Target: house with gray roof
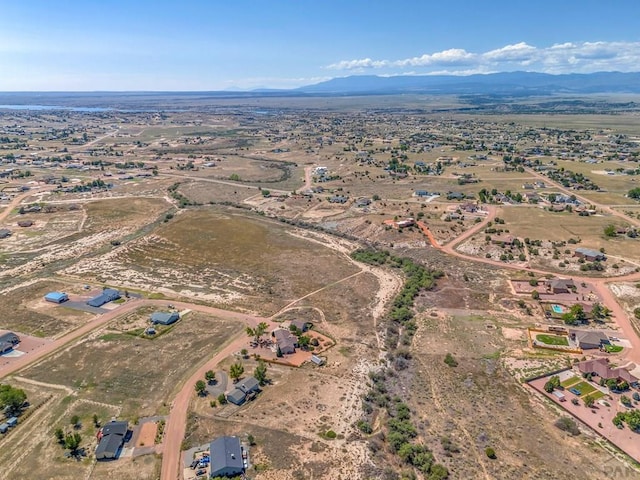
<point>226,457</point>
<point>107,295</point>
<point>10,338</point>
<point>589,339</point>
<point>285,340</point>
<point>249,385</point>
<point>236,396</point>
<point>589,254</point>
<point>111,438</point>
<point>164,318</point>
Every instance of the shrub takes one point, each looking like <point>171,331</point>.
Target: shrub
<point>449,360</point>
<point>566,424</point>
<point>490,452</point>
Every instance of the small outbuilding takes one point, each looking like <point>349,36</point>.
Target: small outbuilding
<point>4,428</point>
<point>226,457</point>
<point>559,395</point>
<point>107,295</point>
<point>164,318</point>
<point>56,297</point>
<point>12,422</point>
<point>5,232</point>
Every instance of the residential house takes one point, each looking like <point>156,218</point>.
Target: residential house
<point>600,367</point>
<point>301,325</point>
<point>285,340</point>
<point>226,457</point>
<point>236,396</point>
<point>588,339</point>
<point>111,437</point>
<point>561,285</point>
<point>248,385</point>
<point>107,295</point>
<point>164,318</point>
<point>589,254</point>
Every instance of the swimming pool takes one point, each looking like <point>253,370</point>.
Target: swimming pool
<point>557,308</point>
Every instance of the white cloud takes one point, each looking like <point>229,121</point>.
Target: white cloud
<point>581,57</point>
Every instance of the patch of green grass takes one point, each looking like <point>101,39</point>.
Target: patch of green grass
<point>585,388</point>
<point>552,339</point>
<point>570,382</point>
<point>156,296</point>
<point>109,337</point>
<point>613,348</point>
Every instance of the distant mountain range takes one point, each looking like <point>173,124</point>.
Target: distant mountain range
<point>508,83</point>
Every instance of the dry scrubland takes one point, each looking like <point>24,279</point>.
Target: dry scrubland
<point>222,256</point>
<point>138,375</point>
<point>136,237</point>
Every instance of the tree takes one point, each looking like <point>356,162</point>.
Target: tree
<point>257,332</point>
<point>235,371</point>
<point>222,400</point>
<point>244,352</point>
<point>210,376</point>
<point>251,440</point>
<point>610,230</point>
<point>535,295</point>
<point>72,442</point>
<point>552,384</point>
<point>12,398</point>
<point>589,401</point>
<point>59,436</point>
<point>201,387</point>
<point>598,311</point>
<point>260,372</point>
<point>634,193</point>
<point>96,421</point>
<point>490,452</point>
<point>304,341</point>
<point>75,421</point>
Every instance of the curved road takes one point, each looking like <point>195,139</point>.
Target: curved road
<point>599,284</point>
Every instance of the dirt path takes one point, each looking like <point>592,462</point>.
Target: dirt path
<point>17,200</point>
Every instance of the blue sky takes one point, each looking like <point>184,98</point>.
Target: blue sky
<point>216,44</point>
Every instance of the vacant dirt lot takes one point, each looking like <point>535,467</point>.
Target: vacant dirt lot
<point>224,257</point>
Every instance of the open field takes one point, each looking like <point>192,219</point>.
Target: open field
<point>222,256</point>
<point>124,370</point>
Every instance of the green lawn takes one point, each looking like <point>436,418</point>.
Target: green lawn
<point>597,395</point>
<point>613,348</point>
<point>552,339</point>
<point>570,381</point>
<point>585,388</point>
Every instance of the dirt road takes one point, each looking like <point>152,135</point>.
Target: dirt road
<point>18,199</point>
<point>599,284</point>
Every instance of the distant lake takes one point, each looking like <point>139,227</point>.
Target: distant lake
<point>55,107</point>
